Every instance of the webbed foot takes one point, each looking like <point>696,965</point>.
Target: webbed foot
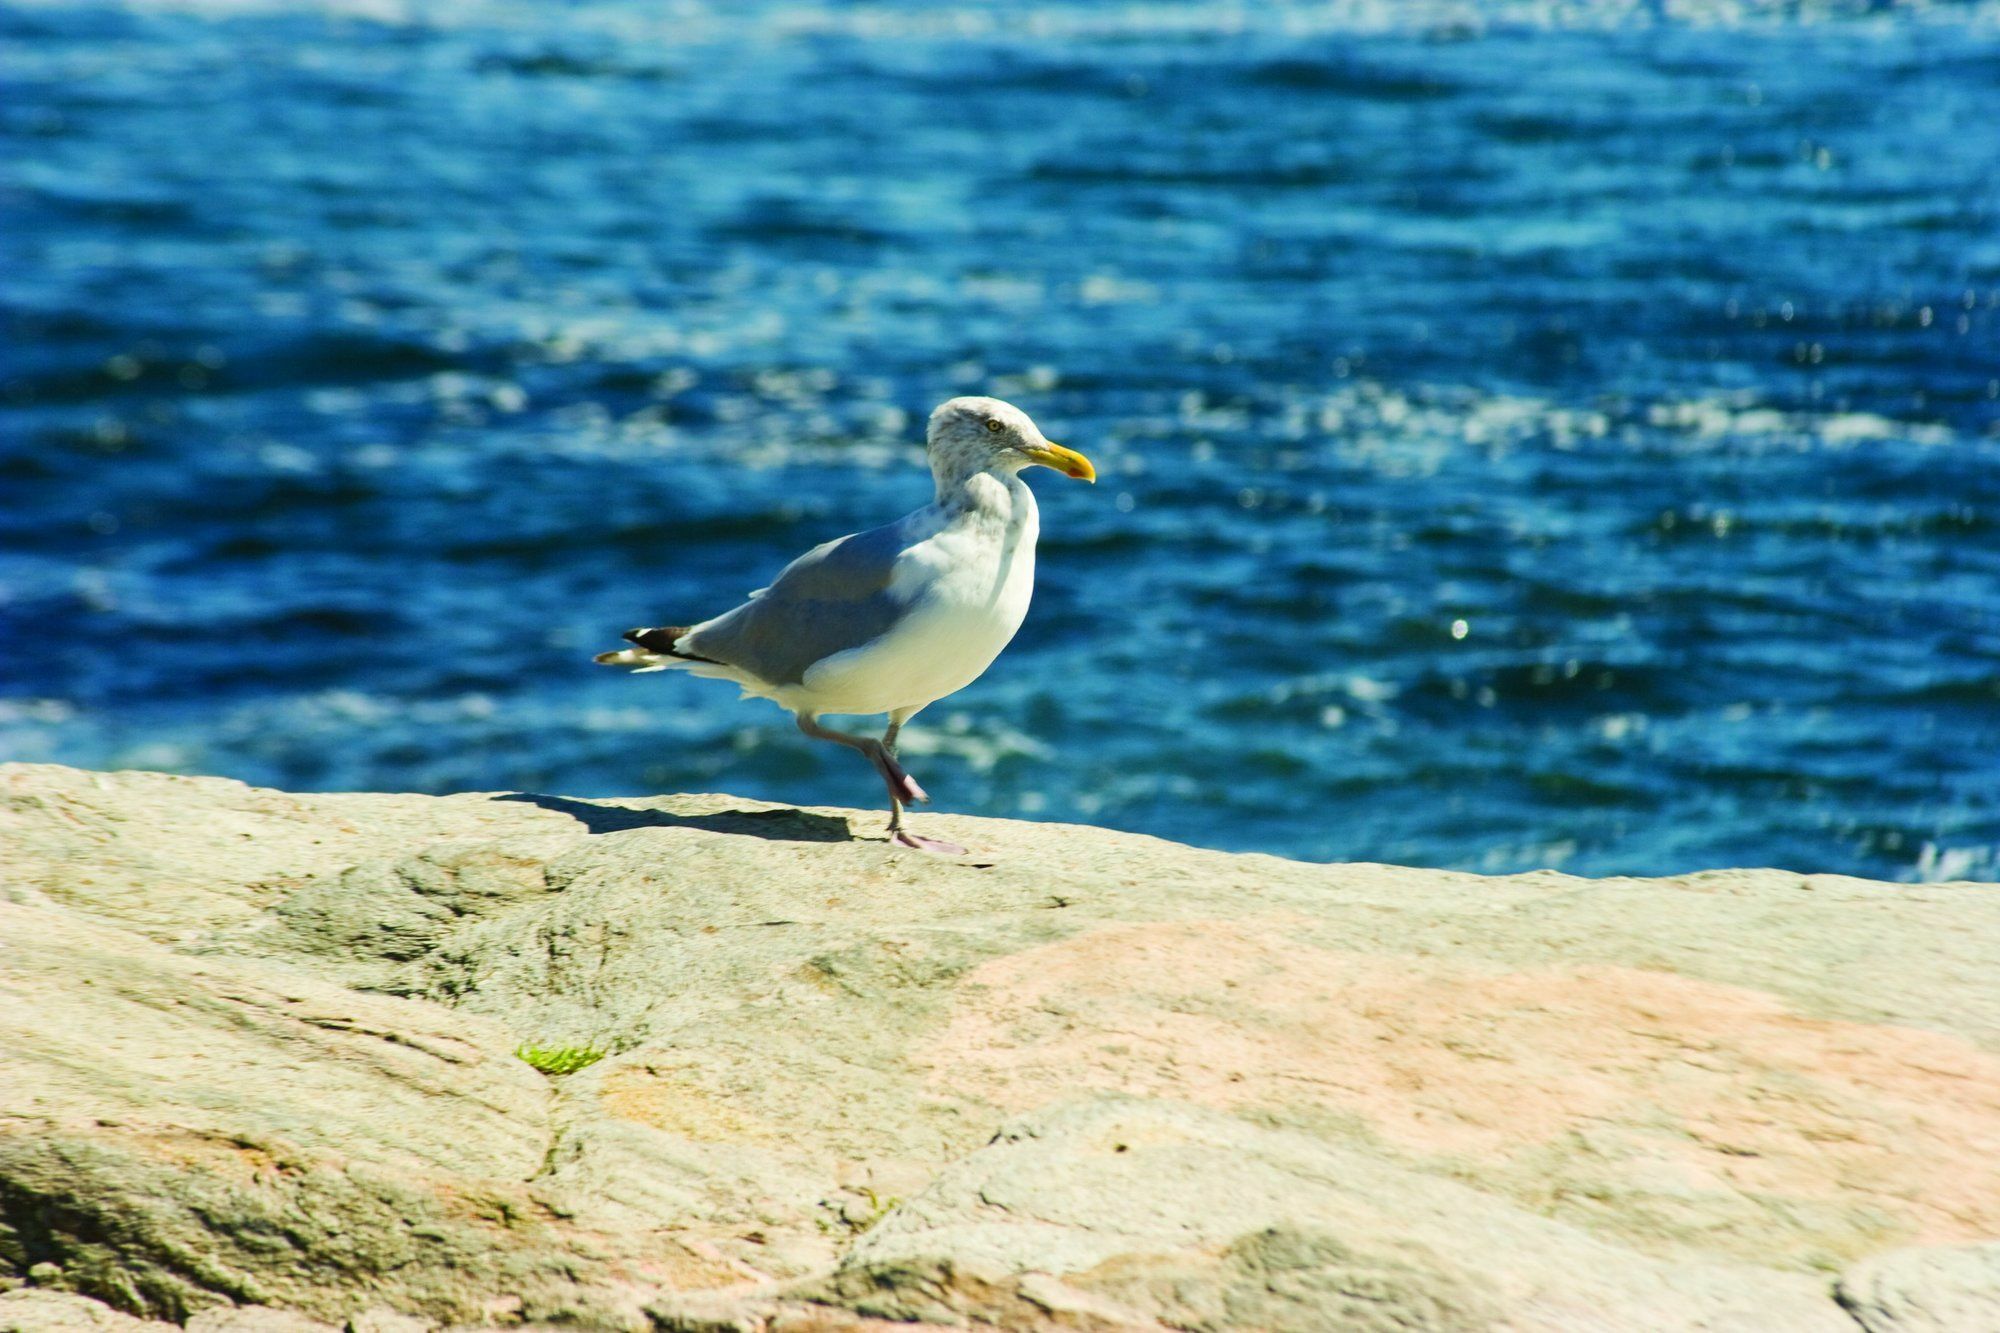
<point>919,843</point>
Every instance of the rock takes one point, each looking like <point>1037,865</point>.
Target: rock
<point>258,1050</point>
<point>32,1310</point>
<point>381,1319</point>
<point>1925,1289</point>
<point>1199,1219</point>
<point>254,1319</point>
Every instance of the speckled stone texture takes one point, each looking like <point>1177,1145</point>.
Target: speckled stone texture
<point>257,1075</point>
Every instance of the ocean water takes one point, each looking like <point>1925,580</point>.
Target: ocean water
<point>1530,434</point>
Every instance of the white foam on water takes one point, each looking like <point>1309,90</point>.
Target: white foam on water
<point>982,744</point>
<point>44,712</point>
<point>1939,865</point>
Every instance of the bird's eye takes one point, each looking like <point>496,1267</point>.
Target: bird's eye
<point>993,424</point>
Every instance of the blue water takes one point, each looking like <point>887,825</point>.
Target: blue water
<point>1529,435</point>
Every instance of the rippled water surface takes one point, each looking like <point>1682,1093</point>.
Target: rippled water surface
<point>1529,436</point>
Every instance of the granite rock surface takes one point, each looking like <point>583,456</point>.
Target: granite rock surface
<point>259,1074</point>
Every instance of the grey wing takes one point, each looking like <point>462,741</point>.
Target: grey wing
<point>832,598</point>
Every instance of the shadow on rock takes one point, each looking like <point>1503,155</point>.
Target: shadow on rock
<point>778,825</point>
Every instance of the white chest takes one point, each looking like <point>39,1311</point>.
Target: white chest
<point>969,585</point>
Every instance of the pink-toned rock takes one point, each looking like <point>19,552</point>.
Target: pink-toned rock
<point>1728,1114</point>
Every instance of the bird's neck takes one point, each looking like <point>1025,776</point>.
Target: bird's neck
<point>988,495</point>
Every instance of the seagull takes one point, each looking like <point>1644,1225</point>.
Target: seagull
<point>890,620</point>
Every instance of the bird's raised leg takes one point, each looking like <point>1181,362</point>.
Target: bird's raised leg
<point>902,787</point>
<point>897,834</point>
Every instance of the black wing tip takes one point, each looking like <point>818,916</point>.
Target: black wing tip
<point>661,639</point>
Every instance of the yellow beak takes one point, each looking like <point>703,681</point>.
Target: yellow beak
<point>1066,461</point>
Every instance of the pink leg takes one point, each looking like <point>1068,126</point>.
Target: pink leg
<point>902,787</point>
<point>897,833</point>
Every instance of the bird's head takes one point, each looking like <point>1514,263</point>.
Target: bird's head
<point>969,435</point>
